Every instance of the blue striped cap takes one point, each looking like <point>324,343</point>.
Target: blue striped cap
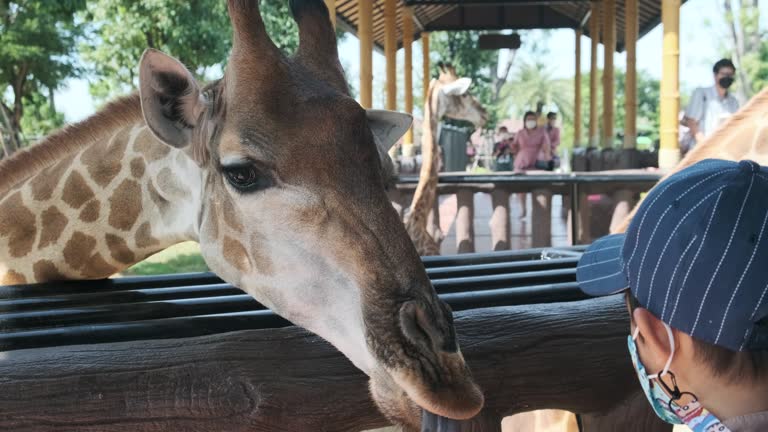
<point>695,254</point>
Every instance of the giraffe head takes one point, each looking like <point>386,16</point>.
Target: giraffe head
<point>451,98</point>
<point>294,209</point>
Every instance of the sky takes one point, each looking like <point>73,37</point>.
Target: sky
<point>701,35</point>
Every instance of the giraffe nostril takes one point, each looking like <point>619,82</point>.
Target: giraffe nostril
<point>427,330</point>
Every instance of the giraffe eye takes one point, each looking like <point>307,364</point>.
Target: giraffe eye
<point>246,178</point>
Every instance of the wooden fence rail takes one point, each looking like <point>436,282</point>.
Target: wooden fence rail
<point>568,355</point>
<point>624,186</point>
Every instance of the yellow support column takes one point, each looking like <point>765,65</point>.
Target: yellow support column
<point>408,70</point>
<point>390,51</point>
<point>669,153</point>
<point>594,32</point>
<point>426,76</point>
<point>331,4</point>
<point>630,102</point>
<point>577,93</point>
<point>365,34</point>
<point>609,93</point>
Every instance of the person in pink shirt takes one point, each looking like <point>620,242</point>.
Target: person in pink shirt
<point>531,144</point>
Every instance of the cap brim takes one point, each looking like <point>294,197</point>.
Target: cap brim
<point>600,271</point>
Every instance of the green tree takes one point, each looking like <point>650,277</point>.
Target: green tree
<point>37,44</point>
<point>40,116</point>
<point>648,97</point>
<point>533,88</point>
<point>460,49</point>
<point>198,33</point>
<point>746,44</point>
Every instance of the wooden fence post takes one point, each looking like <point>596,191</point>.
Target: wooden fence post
<point>500,222</point>
<point>624,200</point>
<point>465,228</point>
<point>541,217</point>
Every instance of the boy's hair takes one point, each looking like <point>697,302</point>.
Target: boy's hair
<point>529,113</point>
<point>723,63</point>
<point>732,365</point>
<point>551,115</point>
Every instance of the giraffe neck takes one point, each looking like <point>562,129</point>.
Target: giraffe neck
<point>426,190</point>
<point>99,209</point>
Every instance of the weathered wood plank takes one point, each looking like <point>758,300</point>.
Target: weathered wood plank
<point>562,355</point>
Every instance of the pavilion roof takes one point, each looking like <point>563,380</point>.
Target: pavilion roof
<point>457,15</point>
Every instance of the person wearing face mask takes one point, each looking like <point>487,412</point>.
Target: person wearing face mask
<point>530,144</point>
<point>709,106</point>
<point>692,267</point>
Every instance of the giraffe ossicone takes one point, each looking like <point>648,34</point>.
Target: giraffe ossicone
<point>279,175</point>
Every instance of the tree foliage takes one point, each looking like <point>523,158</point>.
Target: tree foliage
<point>648,97</point>
<point>460,50</point>
<point>533,88</point>
<point>37,47</point>
<point>198,33</point>
<point>747,45</point>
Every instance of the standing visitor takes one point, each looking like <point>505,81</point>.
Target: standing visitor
<point>709,106</point>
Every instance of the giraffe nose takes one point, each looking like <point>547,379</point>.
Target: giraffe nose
<point>428,331</point>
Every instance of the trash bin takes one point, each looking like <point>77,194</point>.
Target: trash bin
<point>453,141</point>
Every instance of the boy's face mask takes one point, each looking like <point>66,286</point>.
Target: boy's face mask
<point>664,403</point>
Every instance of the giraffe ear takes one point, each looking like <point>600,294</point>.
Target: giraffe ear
<point>388,127</point>
<point>458,87</point>
<point>170,98</point>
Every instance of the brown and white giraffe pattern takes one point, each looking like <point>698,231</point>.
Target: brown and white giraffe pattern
<point>98,210</point>
<point>447,97</point>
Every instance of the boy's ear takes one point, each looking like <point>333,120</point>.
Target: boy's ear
<point>653,343</point>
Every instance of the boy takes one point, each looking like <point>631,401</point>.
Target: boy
<point>693,265</point>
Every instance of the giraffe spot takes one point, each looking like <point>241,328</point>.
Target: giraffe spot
<point>45,271</point>
<point>125,205</point>
<point>169,184</point>
<point>17,223</point>
<point>78,250</point>
<point>76,191</point>
<point>43,184</point>
<point>230,216</point>
<point>119,249</point>
<point>98,268</point>
<point>212,223</point>
<point>260,260</point>
<point>91,211</point>
<point>150,147</point>
<point>235,254</point>
<point>104,162</point>
<point>12,278</point>
<point>137,167</point>
<point>144,237</point>
<point>162,204</point>
<point>53,222</point>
